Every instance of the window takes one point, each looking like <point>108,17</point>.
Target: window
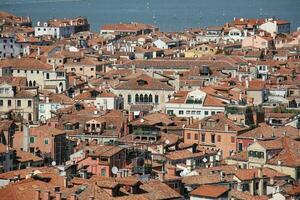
<point>219,138</point>
<point>19,103</point>
<point>198,112</point>
<point>1,102</point>
<point>137,98</point>
<point>188,136</point>
<point>9,103</point>
<point>180,112</point>
<point>103,172</point>
<point>196,136</point>
<point>31,140</point>
<point>92,69</point>
<point>240,147</point>
<point>129,98</point>
<point>156,98</point>
<point>205,113</point>
<point>232,139</point>
<point>29,103</point>
<point>47,76</point>
<point>213,112</point>
<point>213,138</point>
<point>46,141</point>
<point>170,112</point>
<point>203,137</point>
<point>188,112</point>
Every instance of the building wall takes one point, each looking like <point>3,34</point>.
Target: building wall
<point>192,110</point>
<point>227,142</point>
<point>10,48</point>
<point>45,108</point>
<point>6,160</point>
<point>162,96</point>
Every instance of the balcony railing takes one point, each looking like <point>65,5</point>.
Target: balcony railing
<point>145,133</point>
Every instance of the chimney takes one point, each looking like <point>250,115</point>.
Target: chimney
<point>200,126</point>
<point>91,198</point>
<point>261,182</point>
<point>73,197</point>
<point>37,195</point>
<point>65,182</point>
<point>46,195</point>
<point>133,69</point>
<point>58,196</point>
<point>226,127</point>
<point>26,135</point>
<point>38,51</point>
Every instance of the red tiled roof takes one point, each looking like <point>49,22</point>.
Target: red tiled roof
<point>209,191</point>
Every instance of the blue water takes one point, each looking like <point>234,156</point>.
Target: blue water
<point>169,15</point>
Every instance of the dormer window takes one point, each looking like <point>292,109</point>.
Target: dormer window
<point>142,82</point>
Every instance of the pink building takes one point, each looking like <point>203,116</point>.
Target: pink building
<point>99,160</point>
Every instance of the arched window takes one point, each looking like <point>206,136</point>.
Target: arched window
<point>141,98</point>
<point>137,99</point>
<point>146,98</point>
<point>34,83</point>
<point>30,83</point>
<point>150,98</point>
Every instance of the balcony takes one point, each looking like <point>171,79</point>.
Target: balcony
<point>146,134</point>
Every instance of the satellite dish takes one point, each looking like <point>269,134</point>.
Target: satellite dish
<point>114,170</point>
<point>204,160</point>
<point>53,163</point>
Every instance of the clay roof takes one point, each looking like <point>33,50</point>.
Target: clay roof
<point>256,85</point>
<point>153,119</point>
<point>250,174</point>
<point>23,156</point>
<point>264,131</point>
<point>45,130</point>
<point>25,63</point>
<point>209,191</point>
<point>107,151</point>
<point>219,120</point>
<point>143,82</point>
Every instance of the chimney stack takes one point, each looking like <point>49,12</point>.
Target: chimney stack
<point>46,195</point>
<point>37,195</point>
<point>226,127</point>
<point>26,135</point>
<point>58,196</point>
<point>73,197</point>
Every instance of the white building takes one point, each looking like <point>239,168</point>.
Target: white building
<point>235,35</point>
<point>52,103</point>
<point>61,28</point>
<point>196,104</point>
<point>273,26</point>
<point>36,72</point>
<point>10,48</point>
<point>144,90</point>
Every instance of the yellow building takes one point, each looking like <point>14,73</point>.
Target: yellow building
<point>202,50</point>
